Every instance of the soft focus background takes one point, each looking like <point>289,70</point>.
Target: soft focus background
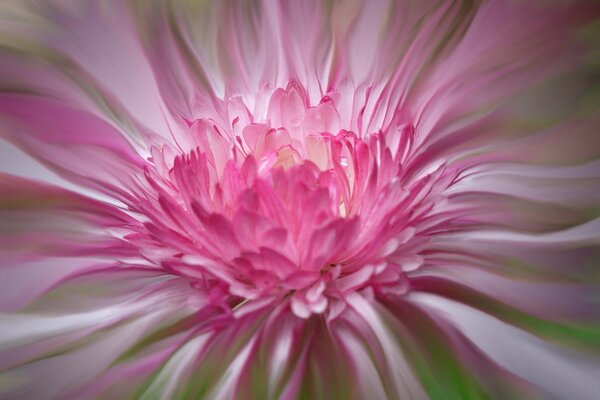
<point>483,114</point>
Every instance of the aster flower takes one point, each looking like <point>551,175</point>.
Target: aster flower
<point>258,200</point>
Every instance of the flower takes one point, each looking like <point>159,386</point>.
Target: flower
<point>299,200</point>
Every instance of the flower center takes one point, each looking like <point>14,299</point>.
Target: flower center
<point>293,206</point>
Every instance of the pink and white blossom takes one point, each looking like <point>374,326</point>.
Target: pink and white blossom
<point>299,199</point>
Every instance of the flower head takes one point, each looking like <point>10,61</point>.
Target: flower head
<point>298,200</point>
<point>291,206</point>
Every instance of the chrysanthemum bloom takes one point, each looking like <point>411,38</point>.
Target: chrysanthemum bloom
<point>318,200</point>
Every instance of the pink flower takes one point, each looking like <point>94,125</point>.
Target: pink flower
<point>299,200</point>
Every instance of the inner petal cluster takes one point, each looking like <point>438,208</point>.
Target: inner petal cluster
<point>292,207</point>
